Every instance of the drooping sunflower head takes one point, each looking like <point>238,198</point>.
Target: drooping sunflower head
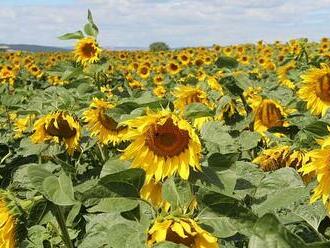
<point>273,158</point>
<point>162,144</point>
<point>87,50</point>
<point>186,94</point>
<point>269,114</point>
<point>105,128</point>
<point>179,230</point>
<point>152,192</point>
<point>316,89</point>
<point>59,127</point>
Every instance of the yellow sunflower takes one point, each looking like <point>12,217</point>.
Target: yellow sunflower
<point>320,161</point>
<point>7,226</point>
<point>87,50</point>
<point>180,230</point>
<point>57,127</point>
<point>162,144</point>
<point>269,114</point>
<point>282,74</point>
<point>316,89</point>
<point>22,124</point>
<point>152,192</point>
<point>186,94</point>
<point>173,67</point>
<point>159,91</point>
<point>102,126</point>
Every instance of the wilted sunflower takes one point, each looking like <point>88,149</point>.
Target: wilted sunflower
<point>162,145</point>
<point>180,230</point>
<point>152,192</point>
<point>87,50</point>
<point>273,158</point>
<point>316,89</point>
<point>57,127</point>
<point>101,125</point>
<point>7,226</point>
<point>269,114</point>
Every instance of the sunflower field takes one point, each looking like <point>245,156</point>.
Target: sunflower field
<point>205,147</point>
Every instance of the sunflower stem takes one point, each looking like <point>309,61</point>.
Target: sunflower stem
<point>101,152</point>
<point>58,211</point>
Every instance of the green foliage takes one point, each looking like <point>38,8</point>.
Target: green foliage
<point>158,46</point>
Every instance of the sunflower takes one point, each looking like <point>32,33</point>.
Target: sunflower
<point>22,124</point>
<point>316,89</point>
<point>105,128</point>
<point>57,127</point>
<point>173,67</point>
<point>152,192</point>
<point>180,230</point>
<point>282,74</point>
<point>186,94</point>
<point>320,161</point>
<point>7,226</point>
<point>159,91</point>
<point>143,71</point>
<point>184,57</point>
<point>162,144</point>
<point>87,50</point>
<point>273,158</point>
<point>269,114</point>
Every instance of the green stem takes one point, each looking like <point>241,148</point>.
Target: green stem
<point>102,152</point>
<point>61,222</point>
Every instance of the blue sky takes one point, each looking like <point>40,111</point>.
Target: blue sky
<point>137,23</point>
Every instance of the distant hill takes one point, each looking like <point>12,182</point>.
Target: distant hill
<point>34,48</point>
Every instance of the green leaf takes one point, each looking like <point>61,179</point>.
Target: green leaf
<point>58,190</point>
<point>195,110</point>
<point>249,140</point>
<point>271,234</point>
<point>72,36</point>
<point>220,161</point>
<point>231,85</point>
<point>217,138</point>
<point>318,128</point>
<point>227,62</point>
<point>91,29</point>
<point>125,183</point>
<point>114,205</point>
<point>114,165</point>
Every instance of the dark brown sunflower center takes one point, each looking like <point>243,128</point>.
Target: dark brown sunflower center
<point>172,236</point>
<point>144,70</point>
<point>167,140</point>
<point>63,129</point>
<point>110,123</point>
<point>270,115</point>
<point>174,67</point>
<point>88,50</point>
<point>194,98</point>
<point>323,88</point>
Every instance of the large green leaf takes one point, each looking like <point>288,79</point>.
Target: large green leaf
<point>58,190</point>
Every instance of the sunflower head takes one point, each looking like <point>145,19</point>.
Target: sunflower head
<point>179,230</point>
<point>273,158</point>
<point>9,214</point>
<point>87,50</point>
<point>105,128</point>
<point>319,165</point>
<point>186,94</point>
<point>57,127</point>
<point>316,89</point>
<point>269,114</point>
<point>162,144</point>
